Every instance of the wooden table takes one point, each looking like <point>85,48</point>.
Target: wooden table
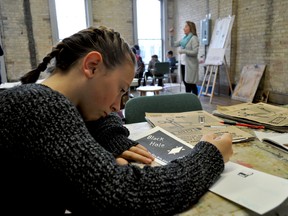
<point>144,89</point>
<point>254,154</point>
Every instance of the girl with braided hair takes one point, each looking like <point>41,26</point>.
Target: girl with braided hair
<point>63,148</point>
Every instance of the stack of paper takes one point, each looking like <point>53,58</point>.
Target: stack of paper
<point>272,117</point>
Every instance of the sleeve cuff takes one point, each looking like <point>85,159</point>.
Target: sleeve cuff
<point>110,133</point>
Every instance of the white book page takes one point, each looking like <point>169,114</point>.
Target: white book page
<point>255,190</point>
<point>280,139</point>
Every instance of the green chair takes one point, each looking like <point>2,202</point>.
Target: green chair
<point>135,108</point>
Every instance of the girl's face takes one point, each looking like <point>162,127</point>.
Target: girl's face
<point>105,90</point>
<point>186,29</point>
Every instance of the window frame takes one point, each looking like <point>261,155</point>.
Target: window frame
<point>164,23</point>
<point>53,18</point>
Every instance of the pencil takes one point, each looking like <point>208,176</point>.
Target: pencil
<point>243,124</point>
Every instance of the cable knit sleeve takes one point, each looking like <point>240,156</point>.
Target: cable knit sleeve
<point>111,134</point>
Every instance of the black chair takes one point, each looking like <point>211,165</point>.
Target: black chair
<point>162,71</point>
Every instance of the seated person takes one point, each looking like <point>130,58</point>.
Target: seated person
<point>137,48</point>
<point>140,66</point>
<point>172,61</point>
<point>151,70</point>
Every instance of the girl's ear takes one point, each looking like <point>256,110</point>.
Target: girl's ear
<point>91,63</point>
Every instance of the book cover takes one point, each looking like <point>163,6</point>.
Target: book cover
<point>163,145</point>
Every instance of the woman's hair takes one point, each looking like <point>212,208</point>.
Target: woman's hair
<point>192,27</point>
<point>65,54</point>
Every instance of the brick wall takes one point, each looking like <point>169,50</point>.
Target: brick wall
<point>262,27</point>
<point>115,14</point>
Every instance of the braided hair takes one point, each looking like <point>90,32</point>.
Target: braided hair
<point>66,53</point>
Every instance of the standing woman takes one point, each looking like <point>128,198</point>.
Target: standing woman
<point>189,56</point>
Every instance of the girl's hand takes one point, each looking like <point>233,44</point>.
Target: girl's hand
<point>223,143</point>
<point>136,153</point>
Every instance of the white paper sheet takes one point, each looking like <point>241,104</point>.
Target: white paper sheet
<point>255,190</point>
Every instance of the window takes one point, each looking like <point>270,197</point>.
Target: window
<point>66,22</point>
<point>150,26</point>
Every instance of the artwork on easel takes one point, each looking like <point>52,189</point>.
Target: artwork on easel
<point>219,41</point>
<point>248,83</point>
<point>221,32</point>
<point>216,54</point>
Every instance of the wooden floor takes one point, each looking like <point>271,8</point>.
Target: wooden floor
<point>222,100</point>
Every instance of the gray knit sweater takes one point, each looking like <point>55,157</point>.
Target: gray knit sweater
<point>49,162</point>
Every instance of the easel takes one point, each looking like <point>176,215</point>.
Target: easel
<point>216,56</point>
<point>210,78</point>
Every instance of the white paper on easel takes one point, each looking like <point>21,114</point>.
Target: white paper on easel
<point>221,32</point>
<point>215,56</point>
<point>255,190</point>
<point>219,41</point>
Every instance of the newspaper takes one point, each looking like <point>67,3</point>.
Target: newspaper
<point>272,117</point>
<point>191,126</point>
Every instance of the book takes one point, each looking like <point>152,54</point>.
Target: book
<point>279,140</point>
<point>258,191</point>
<point>163,145</point>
